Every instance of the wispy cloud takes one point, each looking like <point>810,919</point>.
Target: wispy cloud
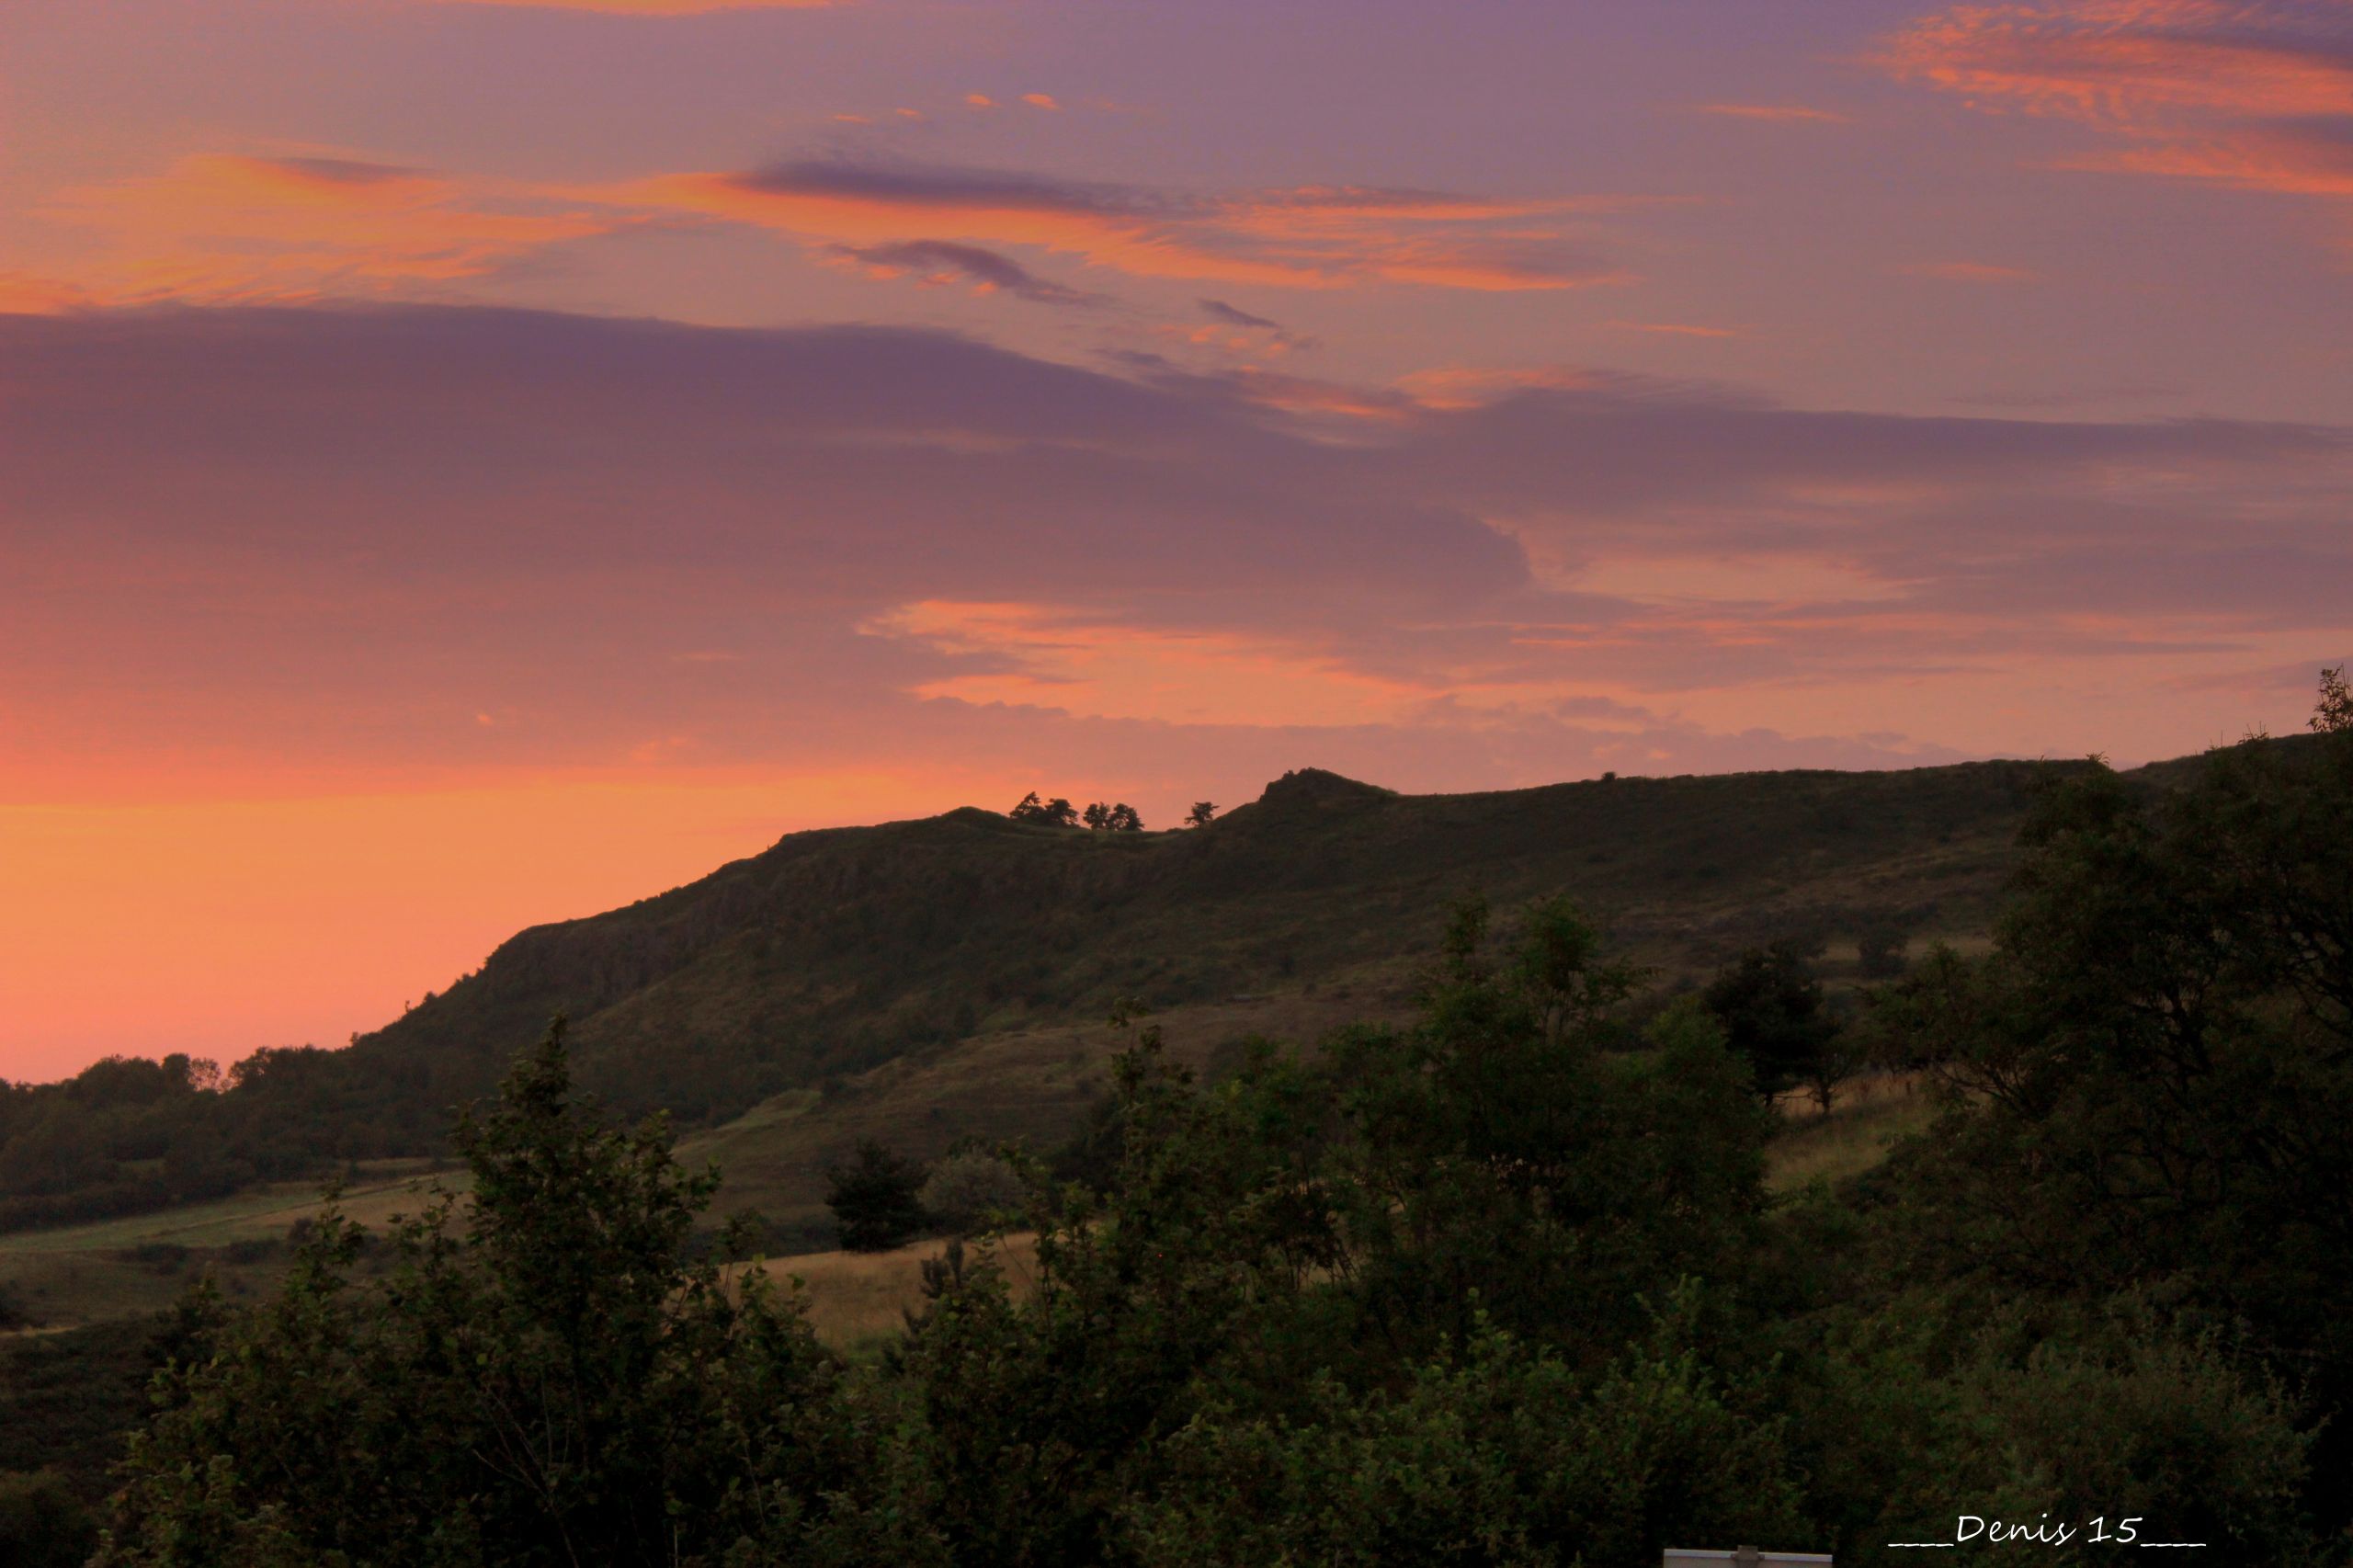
<point>657,8</point>
<point>1791,114</point>
<point>1675,329</point>
<point>221,227</point>
<point>939,262</point>
<point>1313,236</point>
<point>1971,272</point>
<point>983,549</point>
<point>2251,93</point>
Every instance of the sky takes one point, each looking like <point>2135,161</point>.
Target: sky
<point>467,463</point>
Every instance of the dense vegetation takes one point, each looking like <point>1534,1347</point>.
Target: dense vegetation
<point>1492,1288</point>
<point>837,951</point>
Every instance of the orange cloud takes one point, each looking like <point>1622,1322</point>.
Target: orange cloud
<point>1463,387</point>
<point>1311,237</point>
<point>2283,162</point>
<point>1101,666</point>
<point>1675,329</point>
<point>225,228</point>
<point>1792,113</point>
<point>1040,100</point>
<point>2251,93</point>
<point>1971,272</point>
<point>658,7</point>
<point>25,294</point>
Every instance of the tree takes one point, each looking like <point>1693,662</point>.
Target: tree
<point>1056,812</point>
<point>541,1377</point>
<point>1201,814</point>
<point>875,1198</point>
<point>2146,1081</point>
<point>1770,1005</point>
<point>966,1191</point>
<point>1105,816</point>
<point>1291,1269</point>
<point>2332,715</point>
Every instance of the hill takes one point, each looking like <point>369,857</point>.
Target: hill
<point>834,951</point>
<point>951,949</point>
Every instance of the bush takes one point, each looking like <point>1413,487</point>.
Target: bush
<point>42,1524</point>
<point>873,1199</point>
<point>966,1192</point>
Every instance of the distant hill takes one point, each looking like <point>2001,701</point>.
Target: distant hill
<point>837,951</point>
<point>937,947</point>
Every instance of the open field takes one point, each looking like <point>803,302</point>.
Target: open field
<point>259,1213</point>
<point>1867,1114</point>
<point>1036,1082</point>
<point>860,1300</point>
<point>140,1264</point>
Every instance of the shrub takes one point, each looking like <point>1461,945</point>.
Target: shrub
<point>965,1192</point>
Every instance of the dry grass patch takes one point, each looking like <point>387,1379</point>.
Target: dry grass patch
<point>859,1299</point>
<point>1867,1115</point>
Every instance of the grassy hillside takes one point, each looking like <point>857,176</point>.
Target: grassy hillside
<point>834,951</point>
<point>975,953</point>
<point>919,982</point>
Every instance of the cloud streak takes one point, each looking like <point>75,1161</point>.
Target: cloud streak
<point>1776,114</point>
<point>2257,94</point>
<point>370,527</point>
<point>939,262</point>
<point>221,228</point>
<point>657,8</point>
<point>1302,237</point>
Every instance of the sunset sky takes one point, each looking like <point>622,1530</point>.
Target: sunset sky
<point>466,463</point>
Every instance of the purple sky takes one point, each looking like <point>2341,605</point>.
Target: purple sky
<point>464,463</point>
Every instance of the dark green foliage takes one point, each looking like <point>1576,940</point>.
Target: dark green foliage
<point>1499,1456</point>
<point>1321,1275</point>
<point>875,1198</point>
<point>1939,1404</point>
<point>1201,814</point>
<point>1769,1002</point>
<point>42,1523</point>
<point>2147,1086</point>
<point>67,1399</point>
<point>542,1379</point>
<point>969,1190</point>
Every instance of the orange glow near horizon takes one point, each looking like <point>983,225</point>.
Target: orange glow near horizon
<point>219,926</point>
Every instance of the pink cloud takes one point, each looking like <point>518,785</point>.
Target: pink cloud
<point>1971,272</point>
<point>1788,114</point>
<point>658,7</point>
<point>1310,237</point>
<point>2250,93</point>
<point>238,228</point>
